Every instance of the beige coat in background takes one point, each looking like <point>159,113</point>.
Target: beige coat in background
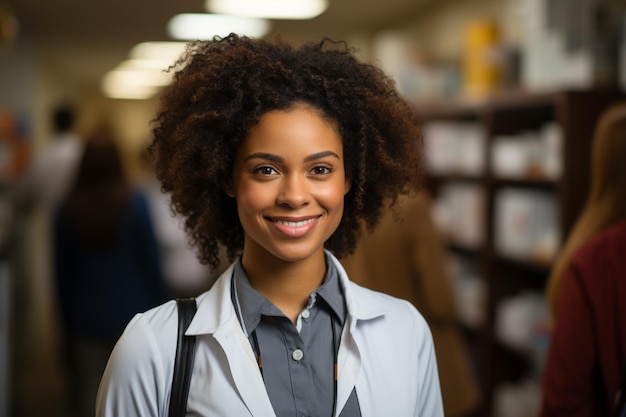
<point>405,257</point>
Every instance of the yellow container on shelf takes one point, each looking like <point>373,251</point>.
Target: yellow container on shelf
<point>482,69</point>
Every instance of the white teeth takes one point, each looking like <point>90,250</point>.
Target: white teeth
<point>295,224</point>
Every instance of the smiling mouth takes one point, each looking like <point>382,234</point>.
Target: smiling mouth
<point>295,224</point>
<point>295,228</point>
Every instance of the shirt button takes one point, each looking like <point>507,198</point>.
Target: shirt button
<point>297,354</point>
<point>306,314</point>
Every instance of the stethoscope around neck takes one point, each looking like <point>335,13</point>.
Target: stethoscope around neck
<point>254,341</point>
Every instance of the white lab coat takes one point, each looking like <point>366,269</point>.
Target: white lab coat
<point>386,352</point>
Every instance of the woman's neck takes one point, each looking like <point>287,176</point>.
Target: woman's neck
<point>286,284</point>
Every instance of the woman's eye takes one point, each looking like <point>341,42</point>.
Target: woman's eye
<point>265,170</point>
<point>321,170</point>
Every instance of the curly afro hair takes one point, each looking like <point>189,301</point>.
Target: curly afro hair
<point>219,91</point>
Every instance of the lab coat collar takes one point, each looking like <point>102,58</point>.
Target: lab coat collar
<point>357,298</point>
<point>215,307</point>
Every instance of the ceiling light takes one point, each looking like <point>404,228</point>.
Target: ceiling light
<point>193,26</point>
<point>133,80</point>
<point>162,53</point>
<point>145,64</point>
<point>269,9</point>
<point>116,90</point>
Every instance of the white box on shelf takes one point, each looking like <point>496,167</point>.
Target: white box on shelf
<point>454,148</point>
<point>526,225</point>
<point>459,212</point>
<point>509,157</point>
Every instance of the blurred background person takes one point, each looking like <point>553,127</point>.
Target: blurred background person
<point>405,257</point>
<point>587,288</point>
<point>107,265</point>
<point>54,166</point>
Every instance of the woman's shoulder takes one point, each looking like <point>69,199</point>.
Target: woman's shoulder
<point>146,349</point>
<point>161,315</point>
<point>143,357</point>
<point>378,302</point>
<point>158,324</point>
<point>370,302</point>
<point>607,246</point>
<point>138,197</point>
<point>392,319</point>
<point>139,206</point>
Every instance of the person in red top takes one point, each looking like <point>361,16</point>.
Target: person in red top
<point>587,289</point>
<point>589,339</point>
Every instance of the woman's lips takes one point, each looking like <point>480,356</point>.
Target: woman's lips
<point>294,227</point>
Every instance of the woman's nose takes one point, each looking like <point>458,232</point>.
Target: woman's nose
<point>294,192</point>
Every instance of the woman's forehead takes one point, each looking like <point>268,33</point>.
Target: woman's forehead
<point>298,129</point>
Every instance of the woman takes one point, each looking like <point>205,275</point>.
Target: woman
<point>278,154</point>
<point>587,288</point>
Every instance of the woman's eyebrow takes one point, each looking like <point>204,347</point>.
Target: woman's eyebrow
<point>266,156</point>
<point>275,158</point>
<point>320,155</point>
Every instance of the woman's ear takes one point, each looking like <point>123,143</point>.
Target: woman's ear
<point>347,186</point>
<point>228,188</point>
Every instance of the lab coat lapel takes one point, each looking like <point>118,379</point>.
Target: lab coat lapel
<point>349,363</point>
<point>349,359</point>
<point>244,369</point>
<point>216,315</point>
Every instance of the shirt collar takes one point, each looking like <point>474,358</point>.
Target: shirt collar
<point>332,292</point>
<point>250,305</point>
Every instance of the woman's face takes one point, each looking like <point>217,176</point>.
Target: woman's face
<point>289,183</point>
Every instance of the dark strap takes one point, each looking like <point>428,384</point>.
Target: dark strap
<point>183,364</point>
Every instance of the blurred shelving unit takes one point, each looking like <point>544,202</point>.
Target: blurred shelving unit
<point>506,202</point>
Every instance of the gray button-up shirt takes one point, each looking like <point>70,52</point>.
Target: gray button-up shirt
<point>297,361</point>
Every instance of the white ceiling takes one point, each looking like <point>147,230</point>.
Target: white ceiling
<point>83,39</point>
